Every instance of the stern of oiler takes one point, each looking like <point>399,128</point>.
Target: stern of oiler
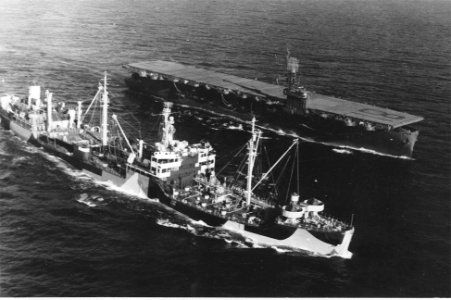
<point>342,250</point>
<point>307,215</point>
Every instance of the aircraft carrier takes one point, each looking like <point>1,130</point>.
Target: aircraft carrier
<point>289,108</point>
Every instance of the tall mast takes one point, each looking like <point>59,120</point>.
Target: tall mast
<point>79,112</point>
<point>168,128</point>
<point>105,113</point>
<point>49,110</point>
<point>292,71</point>
<point>253,144</point>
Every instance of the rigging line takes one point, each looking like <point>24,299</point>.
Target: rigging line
<point>291,178</point>
<point>276,163</point>
<point>237,151</point>
<point>112,149</point>
<point>92,102</point>
<point>122,131</point>
<point>281,173</point>
<point>230,161</point>
<point>92,113</point>
<point>297,167</point>
<point>128,124</point>
<point>239,170</point>
<point>139,125</point>
<point>271,175</point>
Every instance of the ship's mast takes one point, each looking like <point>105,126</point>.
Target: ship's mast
<point>104,112</point>
<point>253,145</point>
<point>79,112</point>
<point>168,128</point>
<point>140,148</point>
<point>292,71</point>
<point>49,110</point>
<point>296,95</point>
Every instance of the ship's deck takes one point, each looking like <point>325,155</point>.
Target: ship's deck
<point>318,102</point>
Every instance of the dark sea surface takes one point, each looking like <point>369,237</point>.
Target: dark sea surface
<point>389,53</point>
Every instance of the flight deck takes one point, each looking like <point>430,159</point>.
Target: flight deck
<point>230,83</point>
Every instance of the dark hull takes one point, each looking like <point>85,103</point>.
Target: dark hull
<point>271,230</point>
<point>55,147</point>
<point>157,190</point>
<point>312,126</point>
<point>270,234</point>
<point>60,149</point>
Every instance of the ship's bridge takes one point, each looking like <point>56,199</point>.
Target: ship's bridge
<point>226,83</point>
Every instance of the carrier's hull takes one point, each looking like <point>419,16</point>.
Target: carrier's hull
<point>312,126</point>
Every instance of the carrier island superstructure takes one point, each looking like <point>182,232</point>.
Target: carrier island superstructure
<point>289,107</point>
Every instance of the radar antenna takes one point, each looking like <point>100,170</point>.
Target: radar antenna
<point>296,95</point>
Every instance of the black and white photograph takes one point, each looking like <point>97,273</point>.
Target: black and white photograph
<point>225,148</point>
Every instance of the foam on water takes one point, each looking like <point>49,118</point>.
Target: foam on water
<point>239,127</point>
<point>200,229</point>
<point>281,132</point>
<point>91,200</point>
<point>19,159</point>
<point>168,223</point>
<point>64,166</point>
<point>342,151</point>
<point>111,186</point>
<point>361,149</point>
<point>4,175</point>
<point>85,199</point>
<point>31,149</point>
<point>200,222</point>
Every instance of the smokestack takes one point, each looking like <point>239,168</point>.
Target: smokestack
<point>34,92</point>
<point>71,113</point>
<point>140,149</point>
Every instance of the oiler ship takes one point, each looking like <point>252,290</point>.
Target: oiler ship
<point>290,108</point>
<point>181,175</point>
<point>298,225</point>
<point>102,150</point>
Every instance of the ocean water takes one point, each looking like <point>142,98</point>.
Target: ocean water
<point>62,234</point>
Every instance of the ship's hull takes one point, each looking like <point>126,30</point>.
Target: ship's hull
<point>312,126</point>
<point>128,180</point>
<point>293,237</point>
<point>124,179</point>
<point>272,234</point>
<point>20,129</point>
